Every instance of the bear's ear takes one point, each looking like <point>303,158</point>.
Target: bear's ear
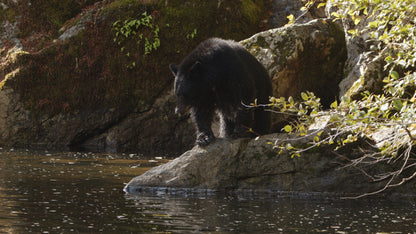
<point>173,68</point>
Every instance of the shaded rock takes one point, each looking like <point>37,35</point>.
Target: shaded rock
<point>12,115</point>
<point>282,9</point>
<point>241,164</point>
<point>157,130</point>
<point>21,128</point>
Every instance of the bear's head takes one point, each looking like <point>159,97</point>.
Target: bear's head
<point>187,86</point>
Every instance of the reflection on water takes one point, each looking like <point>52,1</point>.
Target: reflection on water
<point>78,192</point>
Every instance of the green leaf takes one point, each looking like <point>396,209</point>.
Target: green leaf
<point>397,104</point>
<point>295,155</point>
<point>321,5</point>
<point>394,75</point>
<point>288,128</point>
<point>353,32</point>
<point>289,146</point>
<point>304,96</point>
<point>373,24</point>
<point>334,105</point>
<point>336,15</point>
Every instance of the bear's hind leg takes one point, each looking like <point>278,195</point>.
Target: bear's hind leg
<point>243,124</point>
<point>227,126</point>
<point>262,121</point>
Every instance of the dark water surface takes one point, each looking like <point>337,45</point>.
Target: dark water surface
<point>82,192</point>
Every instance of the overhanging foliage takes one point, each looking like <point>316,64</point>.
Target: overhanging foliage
<point>389,26</point>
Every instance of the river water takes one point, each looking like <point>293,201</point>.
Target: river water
<point>68,192</point>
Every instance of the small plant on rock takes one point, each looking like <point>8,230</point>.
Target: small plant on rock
<point>142,30</point>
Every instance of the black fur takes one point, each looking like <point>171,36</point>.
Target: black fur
<point>221,75</point>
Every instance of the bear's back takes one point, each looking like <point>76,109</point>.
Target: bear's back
<point>229,63</point>
<point>211,50</point>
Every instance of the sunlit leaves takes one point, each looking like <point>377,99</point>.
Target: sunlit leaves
<point>323,4</point>
<point>334,105</point>
<point>304,96</point>
<point>291,19</point>
<point>288,128</point>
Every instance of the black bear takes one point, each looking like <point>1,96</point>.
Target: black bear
<point>221,75</point>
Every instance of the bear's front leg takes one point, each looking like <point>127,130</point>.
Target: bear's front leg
<point>202,117</point>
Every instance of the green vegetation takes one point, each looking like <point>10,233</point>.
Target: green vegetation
<point>391,27</point>
<point>134,28</point>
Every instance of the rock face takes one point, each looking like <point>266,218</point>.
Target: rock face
<point>252,164</point>
<point>155,131</point>
<point>303,57</point>
<point>282,9</point>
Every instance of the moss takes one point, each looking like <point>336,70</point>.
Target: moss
<point>250,10</point>
<point>261,41</point>
<point>7,14</point>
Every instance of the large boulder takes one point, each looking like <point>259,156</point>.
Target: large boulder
<point>303,57</point>
<point>253,165</point>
